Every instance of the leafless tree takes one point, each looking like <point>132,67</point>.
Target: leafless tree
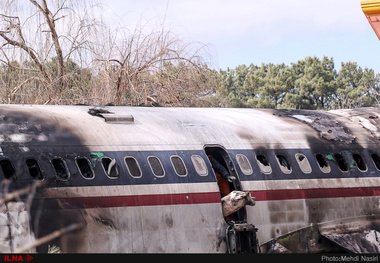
<point>43,36</point>
<point>154,65</point>
<point>61,51</point>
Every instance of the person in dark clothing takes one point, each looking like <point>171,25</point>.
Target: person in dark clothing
<point>220,169</point>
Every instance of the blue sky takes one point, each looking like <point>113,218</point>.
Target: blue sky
<point>249,31</point>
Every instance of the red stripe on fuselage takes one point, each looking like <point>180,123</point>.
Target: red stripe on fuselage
<point>214,197</point>
<point>287,194</point>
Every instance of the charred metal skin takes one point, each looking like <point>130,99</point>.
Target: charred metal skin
<point>139,179</point>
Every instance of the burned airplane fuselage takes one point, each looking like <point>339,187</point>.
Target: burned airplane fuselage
<point>139,179</point>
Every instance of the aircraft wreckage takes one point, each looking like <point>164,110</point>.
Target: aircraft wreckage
<point>130,179</point>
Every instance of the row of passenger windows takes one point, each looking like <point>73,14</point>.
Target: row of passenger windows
<point>111,169</point>
<point>344,161</point>
<point>109,166</point>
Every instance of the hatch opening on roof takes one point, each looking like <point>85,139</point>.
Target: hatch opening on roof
<point>111,117</point>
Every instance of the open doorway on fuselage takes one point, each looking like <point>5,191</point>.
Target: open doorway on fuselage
<point>222,158</point>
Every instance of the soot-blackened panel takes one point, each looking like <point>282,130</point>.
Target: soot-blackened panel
<point>21,128</point>
<point>42,136</point>
<point>326,124</point>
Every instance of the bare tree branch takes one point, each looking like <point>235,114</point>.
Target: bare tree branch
<point>49,18</point>
<point>31,53</point>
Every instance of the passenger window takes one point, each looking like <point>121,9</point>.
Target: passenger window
<point>34,169</point>
<point>84,167</point>
<point>8,169</point>
<point>244,164</point>
<point>264,164</point>
<point>341,162</point>
<point>156,166</point>
<point>323,163</point>
<point>376,160</point>
<point>303,163</point>
<point>284,164</point>
<point>178,165</point>
<point>360,163</point>
<point>199,165</point>
<point>133,167</point>
<point>60,167</point>
<point>110,167</point>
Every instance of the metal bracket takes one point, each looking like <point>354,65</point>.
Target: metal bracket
<point>241,238</point>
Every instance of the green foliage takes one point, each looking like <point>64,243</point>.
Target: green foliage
<point>356,87</point>
<point>22,83</point>
<point>311,83</point>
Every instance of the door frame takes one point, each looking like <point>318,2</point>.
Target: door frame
<point>222,155</point>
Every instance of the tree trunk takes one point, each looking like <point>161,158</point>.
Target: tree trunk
<point>51,23</point>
